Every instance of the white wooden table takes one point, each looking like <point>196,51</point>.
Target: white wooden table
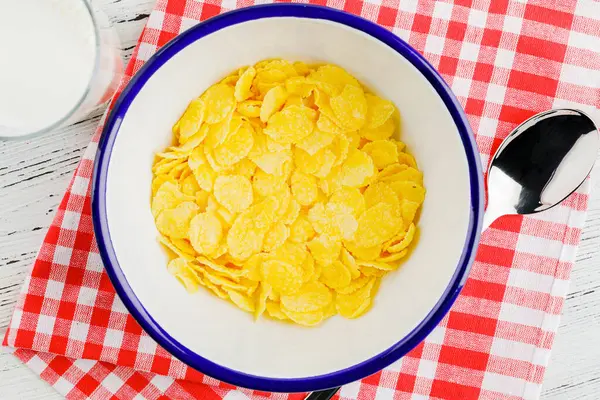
<point>34,175</point>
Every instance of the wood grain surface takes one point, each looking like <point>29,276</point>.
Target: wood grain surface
<point>34,175</point>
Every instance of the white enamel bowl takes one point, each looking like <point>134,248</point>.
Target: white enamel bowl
<point>213,336</point>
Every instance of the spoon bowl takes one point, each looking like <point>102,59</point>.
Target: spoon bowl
<point>541,163</point>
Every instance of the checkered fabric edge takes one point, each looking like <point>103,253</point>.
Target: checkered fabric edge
<point>505,61</point>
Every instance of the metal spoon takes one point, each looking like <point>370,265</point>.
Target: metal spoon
<point>536,167</point>
<point>540,163</point>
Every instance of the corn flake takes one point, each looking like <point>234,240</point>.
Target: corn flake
<point>307,319</point>
<point>274,99</point>
<point>219,102</point>
<point>291,125</point>
<point>283,277</point>
<point>191,120</point>
<point>276,236</point>
<point>304,188</point>
<point>205,232</point>
<point>357,170</point>
<point>243,85</point>
<point>274,311</point>
<point>312,296</point>
<point>301,230</point>
<point>234,192</point>
<point>316,141</point>
<point>336,275</point>
<point>378,111</point>
<point>383,152</point>
<point>325,249</point>
<point>385,131</point>
<point>175,222</point>
<point>350,107</point>
<point>377,225</point>
<point>250,108</point>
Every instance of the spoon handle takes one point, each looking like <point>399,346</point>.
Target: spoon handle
<point>322,394</point>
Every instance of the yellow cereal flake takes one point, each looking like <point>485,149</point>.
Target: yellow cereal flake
<point>388,258</point>
<point>299,86</point>
<point>348,198</point>
<point>335,275</point>
<point>406,174</point>
<point>350,107</point>
<point>325,249</point>
<point>291,125</point>
<point>383,266</point>
<point>191,120</point>
<point>245,168</point>
<point>292,212</point>
<point>189,186</point>
<point>261,301</point>
<point>301,68</point>
<point>383,152</point>
<point>283,277</point>
<point>355,304</point>
<point>250,108</point>
<point>276,236</point>
<point>385,131</point>
<point>285,193</point>
<point>307,319</point>
<point>167,196</point>
<point>234,192</point>
<point>274,99</point>
<point>301,230</point>
<point>272,162</point>
<point>236,147</point>
<point>358,169</point>
<point>243,302</point>
<point>219,102</point>
<point>168,243</point>
<point>404,242</point>
<point>405,158</point>
<point>381,192</point>
<point>243,85</point>
<point>304,188</point>
<point>377,225</point>
<point>175,222</point>
<point>332,79</point>
<point>316,141</point>
<point>409,210</point>
<point>308,268</point>
<point>378,111</point>
<point>353,139</point>
<point>408,190</point>
<point>243,239</point>
<point>350,262</point>
<point>274,311</point>
<point>180,269</point>
<point>205,232</point>
<point>354,285</point>
<point>312,296</point>
<point>322,221</point>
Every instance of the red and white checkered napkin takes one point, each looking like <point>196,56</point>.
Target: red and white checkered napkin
<point>505,61</point>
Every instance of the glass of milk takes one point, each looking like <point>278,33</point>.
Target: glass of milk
<point>59,59</point>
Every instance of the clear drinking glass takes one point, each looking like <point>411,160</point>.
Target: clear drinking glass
<point>106,68</point>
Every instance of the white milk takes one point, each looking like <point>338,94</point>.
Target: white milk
<point>47,58</point>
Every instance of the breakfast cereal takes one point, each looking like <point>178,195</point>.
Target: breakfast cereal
<point>286,194</point>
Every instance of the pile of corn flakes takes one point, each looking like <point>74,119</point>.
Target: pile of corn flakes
<point>286,193</point>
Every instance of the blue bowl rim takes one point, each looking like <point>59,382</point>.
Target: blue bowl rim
<point>132,303</point>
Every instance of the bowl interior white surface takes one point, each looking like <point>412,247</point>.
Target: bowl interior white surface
<point>217,330</point>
